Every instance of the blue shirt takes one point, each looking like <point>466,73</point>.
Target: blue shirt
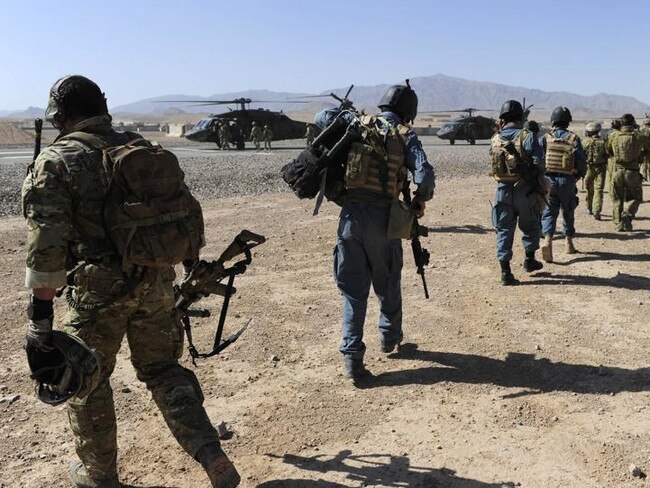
<point>416,159</point>
<point>531,145</point>
<point>581,157</point>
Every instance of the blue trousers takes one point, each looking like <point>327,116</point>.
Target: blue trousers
<point>363,256</point>
<point>515,204</point>
<point>563,197</point>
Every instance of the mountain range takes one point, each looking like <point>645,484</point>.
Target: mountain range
<point>435,93</point>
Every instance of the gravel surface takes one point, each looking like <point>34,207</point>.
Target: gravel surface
<point>212,173</point>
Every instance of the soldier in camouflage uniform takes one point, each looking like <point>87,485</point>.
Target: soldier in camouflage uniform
<point>596,152</point>
<point>256,134</point>
<point>611,164</point>
<point>627,148</point>
<point>310,134</point>
<point>645,167</point>
<point>224,135</point>
<point>63,196</point>
<point>267,134</point>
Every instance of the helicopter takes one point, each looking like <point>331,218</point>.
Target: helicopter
<point>240,121</point>
<point>472,128</point>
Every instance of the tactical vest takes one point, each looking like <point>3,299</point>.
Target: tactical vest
<point>504,164</point>
<point>595,150</point>
<point>376,162</point>
<point>560,154</point>
<point>628,148</point>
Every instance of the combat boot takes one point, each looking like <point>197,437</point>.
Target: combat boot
<point>570,248</point>
<point>530,263</point>
<point>389,346</point>
<point>219,468</point>
<point>80,478</point>
<point>626,222</point>
<point>547,248</point>
<point>354,368</point>
<point>507,278</point>
<point>596,215</point>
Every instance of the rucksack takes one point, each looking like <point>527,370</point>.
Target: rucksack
<point>596,152</point>
<point>149,214</point>
<point>627,148</point>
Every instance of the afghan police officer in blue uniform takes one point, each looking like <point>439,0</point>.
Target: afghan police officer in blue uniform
<point>516,199</point>
<point>566,163</point>
<point>364,254</point>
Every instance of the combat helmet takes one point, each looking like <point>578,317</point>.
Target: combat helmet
<point>628,119</point>
<point>593,127</point>
<point>561,115</point>
<point>646,122</point>
<point>70,369</point>
<point>616,124</point>
<point>74,96</point>
<point>402,100</point>
<point>511,111</point>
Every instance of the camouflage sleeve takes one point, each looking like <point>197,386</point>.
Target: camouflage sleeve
<point>47,206</point>
<point>608,145</point>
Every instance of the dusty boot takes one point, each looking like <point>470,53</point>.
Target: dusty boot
<point>354,368</point>
<point>530,263</point>
<point>80,478</point>
<point>507,278</point>
<point>596,215</point>
<point>220,469</point>
<point>570,248</point>
<point>547,248</point>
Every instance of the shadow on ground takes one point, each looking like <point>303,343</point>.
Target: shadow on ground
<point>374,470</point>
<point>461,229</point>
<point>623,281</point>
<point>585,257</point>
<point>517,370</point>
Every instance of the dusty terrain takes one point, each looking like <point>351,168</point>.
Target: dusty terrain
<point>543,385</point>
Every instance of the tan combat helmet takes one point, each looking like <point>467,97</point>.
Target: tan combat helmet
<point>593,128</point>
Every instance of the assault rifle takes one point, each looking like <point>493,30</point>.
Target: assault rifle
<point>421,256</point>
<point>528,171</point>
<point>204,279</point>
<point>38,131</point>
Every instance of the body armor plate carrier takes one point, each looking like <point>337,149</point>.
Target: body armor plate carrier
<point>560,154</point>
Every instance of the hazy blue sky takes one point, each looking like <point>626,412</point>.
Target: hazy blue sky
<point>138,49</point>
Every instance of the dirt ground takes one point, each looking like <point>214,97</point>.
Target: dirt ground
<point>543,385</point>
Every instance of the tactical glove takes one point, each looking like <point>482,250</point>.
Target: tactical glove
<point>41,316</point>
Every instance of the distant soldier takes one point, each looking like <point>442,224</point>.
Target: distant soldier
<point>224,135</point>
<point>611,164</point>
<point>516,201</point>
<point>268,137</point>
<point>627,148</point>
<point>565,165</point>
<point>310,134</point>
<point>256,134</point>
<point>596,153</point>
<point>645,167</point>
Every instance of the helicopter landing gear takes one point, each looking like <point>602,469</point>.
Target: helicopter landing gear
<point>472,141</point>
<point>452,141</point>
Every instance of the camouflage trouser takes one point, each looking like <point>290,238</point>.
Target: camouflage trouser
<point>267,144</point>
<point>594,184</point>
<point>101,314</point>
<point>627,194</point>
<point>256,141</point>
<point>645,171</point>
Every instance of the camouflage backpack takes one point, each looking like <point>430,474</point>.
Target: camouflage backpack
<point>596,151</point>
<point>627,148</point>
<point>149,214</point>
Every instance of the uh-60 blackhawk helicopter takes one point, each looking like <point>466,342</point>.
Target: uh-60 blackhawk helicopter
<point>240,121</point>
<point>471,128</point>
